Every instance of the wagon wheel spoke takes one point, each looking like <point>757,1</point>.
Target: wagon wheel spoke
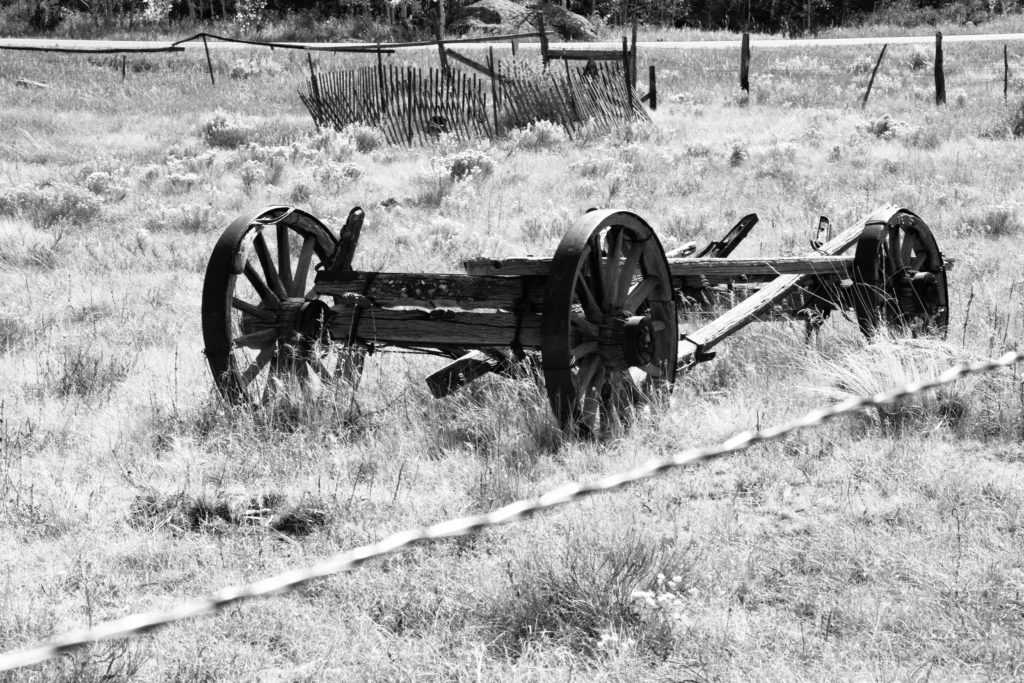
<point>261,361</point>
<point>612,266</point>
<point>302,269</point>
<point>284,256</point>
<point>587,299</point>
<point>627,274</point>
<point>584,349</point>
<point>255,311</point>
<point>256,339</point>
<point>259,242</point>
<point>584,326</point>
<point>270,299</point>
<point>594,261</point>
<point>639,294</point>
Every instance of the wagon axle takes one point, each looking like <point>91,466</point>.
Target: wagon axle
<point>601,313</point>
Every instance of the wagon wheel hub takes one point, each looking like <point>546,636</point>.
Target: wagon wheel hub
<point>299,322</point>
<point>626,340</point>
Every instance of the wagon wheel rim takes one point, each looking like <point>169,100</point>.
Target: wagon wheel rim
<point>609,331</point>
<point>263,320</point>
<point>900,278</point>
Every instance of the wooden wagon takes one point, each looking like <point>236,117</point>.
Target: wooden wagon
<point>602,315</point>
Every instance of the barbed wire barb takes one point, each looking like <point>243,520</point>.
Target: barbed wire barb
<point>348,560</point>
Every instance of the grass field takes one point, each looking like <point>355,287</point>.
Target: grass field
<point>886,546</point>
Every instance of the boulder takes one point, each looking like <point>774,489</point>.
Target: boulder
<point>498,16</point>
<point>568,25</point>
<point>505,16</point>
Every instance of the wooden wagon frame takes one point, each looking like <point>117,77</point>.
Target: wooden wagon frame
<point>601,315</point>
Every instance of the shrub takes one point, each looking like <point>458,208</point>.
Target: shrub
<point>50,203</point>
<point>924,138</point>
<point>108,185</point>
<point>540,135</point>
<point>247,68</point>
<point>884,127</point>
<point>461,165</point>
<point>364,138</point>
<point>177,183</point>
<point>225,131</point>
<point>300,194</point>
<point>336,175</point>
<point>738,153</point>
<point>252,175</point>
<point>996,221</point>
<point>919,59</point>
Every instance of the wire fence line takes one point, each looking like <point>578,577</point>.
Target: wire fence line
<point>347,560</point>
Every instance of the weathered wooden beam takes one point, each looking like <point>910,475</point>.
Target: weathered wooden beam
<point>585,55</point>
<point>441,328</point>
<point>694,344</point>
<point>712,268</point>
<point>471,63</point>
<point>438,290</point>
<point>464,370</point>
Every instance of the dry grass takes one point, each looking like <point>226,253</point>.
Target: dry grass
<point>881,547</point>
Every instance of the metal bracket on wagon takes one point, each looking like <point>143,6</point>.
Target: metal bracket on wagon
<point>281,302</point>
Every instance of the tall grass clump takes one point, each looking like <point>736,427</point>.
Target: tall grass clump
<point>888,363</point>
<point>581,588</point>
<point>81,370</point>
<point>1002,220</point>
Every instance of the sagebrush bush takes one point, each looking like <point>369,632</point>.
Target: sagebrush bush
<point>919,59</point>
<point>335,175</point>
<point>226,131</point>
<point>470,162</point>
<point>50,203</point>
<point>364,138</point>
<point>247,68</point>
<point>884,127</point>
<point>538,136</point>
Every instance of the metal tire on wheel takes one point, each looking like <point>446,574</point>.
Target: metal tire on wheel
<point>262,318</point>
<point>900,277</point>
<point>608,331</point>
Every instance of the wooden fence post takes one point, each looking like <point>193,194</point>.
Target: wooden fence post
<point>515,48</point>
<point>940,77</point>
<point>745,63</point>
<point>380,80</point>
<point>315,86</point>
<point>544,40</point>
<point>124,69</point>
<point>408,100</point>
<point>632,52</point>
<point>652,89</point>
<point>209,63</point>
<point>874,71</point>
<point>443,56</point>
<point>494,89</point>
<point>625,73</point>
<point>1006,71</point>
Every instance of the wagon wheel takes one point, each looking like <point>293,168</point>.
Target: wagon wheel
<point>262,318</point>
<point>899,277</point>
<point>609,329</point>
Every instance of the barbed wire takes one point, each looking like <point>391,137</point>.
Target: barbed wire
<point>348,560</point>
